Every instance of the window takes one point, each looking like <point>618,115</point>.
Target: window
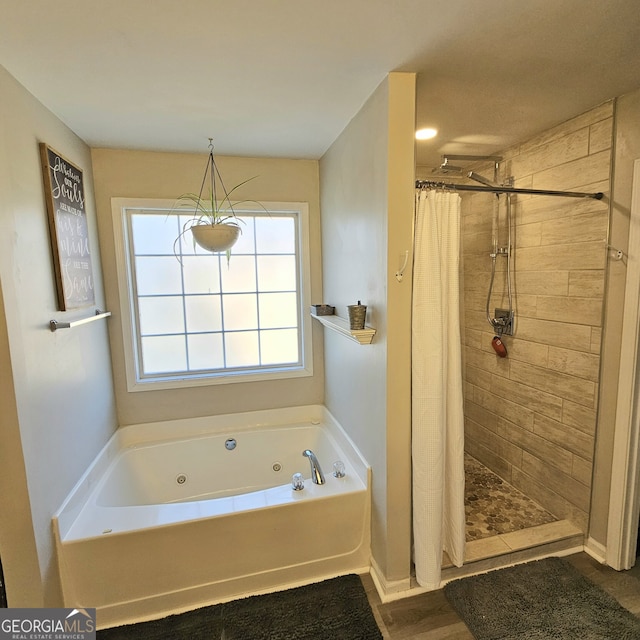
<point>191,317</point>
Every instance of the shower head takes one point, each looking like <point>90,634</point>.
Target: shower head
<point>447,168</point>
<point>481,179</point>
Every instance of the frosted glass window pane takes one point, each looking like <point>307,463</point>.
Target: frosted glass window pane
<point>205,351</point>
<point>246,241</point>
<point>161,354</point>
<point>158,276</point>
<point>275,235</point>
<point>240,275</point>
<point>242,349</point>
<point>161,315</point>
<point>154,233</point>
<point>203,313</point>
<point>278,310</point>
<point>240,311</point>
<point>201,274</point>
<point>279,346</point>
<point>276,273</point>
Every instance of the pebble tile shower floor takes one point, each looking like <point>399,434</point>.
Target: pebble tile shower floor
<point>492,506</point>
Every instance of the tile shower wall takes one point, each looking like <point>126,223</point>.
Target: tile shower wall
<point>531,417</point>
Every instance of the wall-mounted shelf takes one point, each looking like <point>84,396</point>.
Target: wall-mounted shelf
<point>340,325</point>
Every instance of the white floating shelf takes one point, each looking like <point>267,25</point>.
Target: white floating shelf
<point>340,325</point>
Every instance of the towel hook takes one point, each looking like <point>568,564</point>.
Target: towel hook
<point>400,271</point>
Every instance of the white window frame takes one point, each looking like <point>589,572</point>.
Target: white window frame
<point>119,208</point>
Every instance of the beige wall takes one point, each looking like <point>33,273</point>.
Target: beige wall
<point>531,417</point>
<point>137,174</point>
<point>367,204</point>
<point>56,397</point>
<point>627,149</point>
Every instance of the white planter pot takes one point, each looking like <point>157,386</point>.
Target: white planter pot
<point>214,238</point>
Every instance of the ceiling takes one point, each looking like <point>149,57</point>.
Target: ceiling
<point>282,78</point>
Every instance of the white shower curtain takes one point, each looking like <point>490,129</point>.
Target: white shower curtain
<point>437,411</point>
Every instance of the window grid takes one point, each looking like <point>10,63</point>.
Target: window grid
<point>222,295</point>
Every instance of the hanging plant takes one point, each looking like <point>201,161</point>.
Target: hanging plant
<point>214,226</point>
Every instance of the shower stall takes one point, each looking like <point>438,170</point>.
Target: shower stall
<point>532,270</point>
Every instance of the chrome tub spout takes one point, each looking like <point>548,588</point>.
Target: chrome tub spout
<point>317,476</point>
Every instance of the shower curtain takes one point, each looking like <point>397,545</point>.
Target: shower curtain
<point>436,388</point>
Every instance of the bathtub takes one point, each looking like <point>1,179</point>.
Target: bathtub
<point>175,515</point>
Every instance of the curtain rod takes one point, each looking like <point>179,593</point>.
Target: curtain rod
<point>423,184</point>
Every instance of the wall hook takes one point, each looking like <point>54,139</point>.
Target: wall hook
<point>400,271</point>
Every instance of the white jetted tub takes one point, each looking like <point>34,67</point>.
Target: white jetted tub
<point>179,514</point>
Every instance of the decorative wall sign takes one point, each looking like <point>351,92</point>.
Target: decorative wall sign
<point>64,193</point>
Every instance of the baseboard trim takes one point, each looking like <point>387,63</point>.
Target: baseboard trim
<point>388,590</point>
<point>596,550</point>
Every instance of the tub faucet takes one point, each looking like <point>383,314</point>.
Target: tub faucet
<point>316,472</point>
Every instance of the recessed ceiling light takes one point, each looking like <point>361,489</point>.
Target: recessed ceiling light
<point>426,134</point>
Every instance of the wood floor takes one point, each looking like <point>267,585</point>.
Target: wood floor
<point>429,616</point>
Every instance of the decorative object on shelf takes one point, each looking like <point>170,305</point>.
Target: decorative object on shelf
<point>322,310</point>
<point>214,225</point>
<point>357,313</point>
<point>64,194</point>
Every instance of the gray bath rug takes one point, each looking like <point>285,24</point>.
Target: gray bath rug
<point>335,609</point>
<point>547,599</point>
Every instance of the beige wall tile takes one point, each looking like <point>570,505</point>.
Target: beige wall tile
<point>525,305</point>
<point>572,310</point>
<point>481,416</point>
<point>528,235</point>
<point>561,483</point>
<point>554,333</point>
<point>553,382</point>
<point>564,436</point>
<point>563,149</point>
<point>587,227</point>
<point>596,339</point>
<point>590,117</point>
<point>477,377</point>
<point>468,391</point>
<point>589,284</point>
<point>477,298</point>
<point>500,406</point>
<point>579,416</point>
<point>571,257</point>
<point>551,283</point>
<point>538,446</point>
<point>478,243</point>
<point>473,338</point>
<point>534,399</point>
<point>476,222</point>
<point>525,351</point>
<point>540,208</point>
<point>576,175</point>
<point>500,447</point>
<point>582,470</point>
<point>486,361</point>
<point>601,135</point>
<point>553,502</point>
<point>575,363</point>
<point>487,456</point>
